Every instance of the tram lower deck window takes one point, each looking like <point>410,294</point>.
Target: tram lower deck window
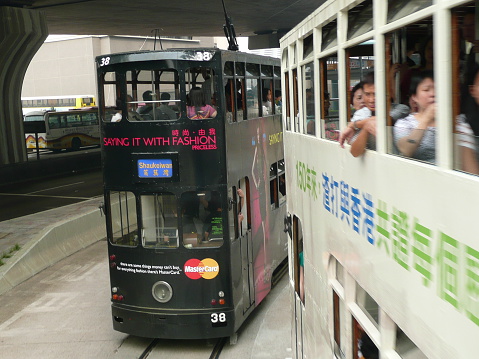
<point>159,227</point>
<point>123,225</point>
<point>202,219</point>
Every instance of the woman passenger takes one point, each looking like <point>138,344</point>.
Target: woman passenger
<point>357,99</point>
<point>197,109</point>
<point>415,135</point>
<point>467,126</point>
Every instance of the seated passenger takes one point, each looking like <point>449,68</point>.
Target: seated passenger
<point>147,108</point>
<point>197,109</point>
<point>267,97</point>
<point>467,126</point>
<point>415,135</point>
<point>164,112</point>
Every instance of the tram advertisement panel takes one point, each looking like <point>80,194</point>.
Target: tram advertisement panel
<point>188,153</point>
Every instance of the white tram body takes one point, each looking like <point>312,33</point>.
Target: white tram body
<point>390,244</point>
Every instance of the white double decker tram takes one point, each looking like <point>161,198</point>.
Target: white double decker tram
<point>384,251</point>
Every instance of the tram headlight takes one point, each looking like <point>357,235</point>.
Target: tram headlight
<point>221,294</point>
<point>114,290</point>
<point>162,291</point>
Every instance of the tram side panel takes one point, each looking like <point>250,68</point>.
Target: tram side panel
<point>252,147</point>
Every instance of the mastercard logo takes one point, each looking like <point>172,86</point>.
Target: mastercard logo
<point>207,268</point>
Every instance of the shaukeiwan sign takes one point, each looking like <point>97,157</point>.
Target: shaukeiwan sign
<point>155,168</point>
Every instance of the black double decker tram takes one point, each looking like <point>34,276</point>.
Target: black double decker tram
<point>194,187</point>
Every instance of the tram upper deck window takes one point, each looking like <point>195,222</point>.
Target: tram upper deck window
<point>361,68</point>
<point>465,89</point>
<point>329,98</point>
<point>360,19</point>
<point>159,227</point>
<point>202,219</point>
<point>309,125</point>
<point>410,92</point>
<point>308,47</point>
<point>110,98</point>
<point>201,93</point>
<point>153,95</point>
<point>229,69</point>
<point>398,9</point>
<point>277,95</point>
<point>266,71</point>
<point>123,228</point>
<point>252,98</point>
<point>267,97</point>
<point>329,35</point>
<point>252,69</point>
<point>240,90</point>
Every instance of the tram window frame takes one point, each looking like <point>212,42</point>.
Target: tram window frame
<point>358,334</point>
<point>277,90</point>
<point>329,132</point>
<point>465,140</point>
<point>195,238</point>
<point>298,269</point>
<point>141,80</point>
<point>287,118</point>
<point>229,69</point>
<point>360,19</point>
<point>233,213</point>
<point>110,87</point>
<point>245,225</point>
<point>273,186</point>
<point>338,326</point>
<point>360,56</point>
<point>163,235</point>
<point>131,238</point>
<point>231,106</point>
<point>403,343</point>
<point>253,98</point>
<point>309,124</point>
<point>329,37</point>
<point>399,129</point>
<point>267,109</point>
<point>296,127</point>
<point>367,304</point>
<point>190,83</point>
<point>281,182</point>
<point>397,9</point>
<point>240,74</point>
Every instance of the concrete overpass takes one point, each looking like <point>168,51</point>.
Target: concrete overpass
<point>25,24</point>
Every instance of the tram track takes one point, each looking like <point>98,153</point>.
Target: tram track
<point>215,354</point>
<point>149,348</point>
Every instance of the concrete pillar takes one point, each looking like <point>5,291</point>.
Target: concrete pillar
<point>22,32</point>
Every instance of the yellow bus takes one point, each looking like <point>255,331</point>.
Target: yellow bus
<point>57,103</point>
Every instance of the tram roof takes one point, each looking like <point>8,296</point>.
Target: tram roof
<point>186,54</point>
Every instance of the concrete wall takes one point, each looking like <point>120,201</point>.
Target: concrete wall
<point>67,67</point>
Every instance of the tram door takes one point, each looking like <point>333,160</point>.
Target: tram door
<point>246,245</point>
<point>298,275</point>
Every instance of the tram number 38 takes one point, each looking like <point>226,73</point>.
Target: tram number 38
<point>218,319</point>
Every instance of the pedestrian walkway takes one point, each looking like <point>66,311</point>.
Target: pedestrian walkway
<point>47,237</point>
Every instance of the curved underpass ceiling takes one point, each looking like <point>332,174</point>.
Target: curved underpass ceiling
<point>172,17</point>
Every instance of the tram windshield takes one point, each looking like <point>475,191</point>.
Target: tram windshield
<point>159,221</point>
<point>202,221</point>
<point>153,95</point>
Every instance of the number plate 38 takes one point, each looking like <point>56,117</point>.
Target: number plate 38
<point>218,319</point>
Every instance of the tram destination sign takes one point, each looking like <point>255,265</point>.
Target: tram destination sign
<point>155,168</point>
